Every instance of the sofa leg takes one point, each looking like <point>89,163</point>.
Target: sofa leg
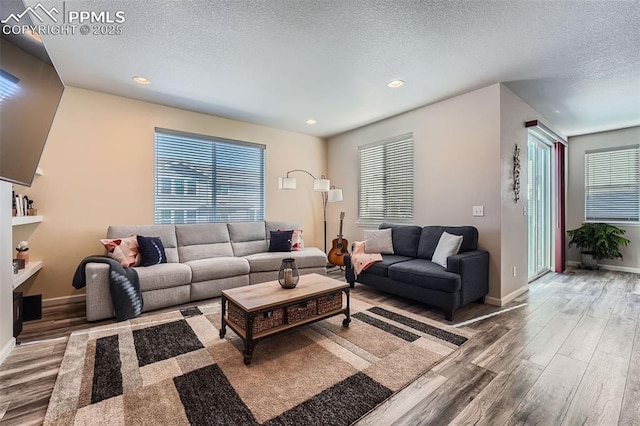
<point>480,301</point>
<point>448,314</point>
<point>352,284</point>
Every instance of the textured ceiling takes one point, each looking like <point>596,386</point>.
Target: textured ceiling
<point>280,62</point>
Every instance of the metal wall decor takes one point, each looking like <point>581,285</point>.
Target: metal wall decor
<point>516,173</point>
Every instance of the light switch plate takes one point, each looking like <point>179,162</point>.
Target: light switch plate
<point>478,210</point>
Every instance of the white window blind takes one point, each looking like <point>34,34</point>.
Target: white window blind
<point>386,181</point>
<point>612,184</point>
<point>204,179</point>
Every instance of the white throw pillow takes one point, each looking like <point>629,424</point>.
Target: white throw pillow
<point>448,245</point>
<point>378,241</point>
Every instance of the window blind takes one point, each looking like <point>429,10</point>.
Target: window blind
<point>386,181</point>
<point>203,179</point>
<point>612,184</point>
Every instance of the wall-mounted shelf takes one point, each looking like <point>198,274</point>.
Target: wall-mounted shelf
<point>24,274</point>
<point>23,220</point>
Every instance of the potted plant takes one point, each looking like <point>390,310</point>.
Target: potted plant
<point>597,241</point>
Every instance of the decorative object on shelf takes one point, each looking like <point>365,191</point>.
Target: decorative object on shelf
<point>516,173</point>
<point>597,241</point>
<point>330,194</point>
<point>23,248</point>
<point>16,266</point>
<point>288,274</point>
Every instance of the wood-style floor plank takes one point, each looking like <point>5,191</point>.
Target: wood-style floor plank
<point>599,397</point>
<point>630,411</point>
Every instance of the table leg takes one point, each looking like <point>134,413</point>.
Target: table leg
<point>223,321</point>
<point>249,344</point>
<point>347,320</point>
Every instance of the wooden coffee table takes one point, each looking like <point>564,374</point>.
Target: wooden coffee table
<point>263,310</point>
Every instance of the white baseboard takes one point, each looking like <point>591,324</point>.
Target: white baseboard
<point>63,300</point>
<point>508,298</point>
<point>6,350</point>
<point>610,267</point>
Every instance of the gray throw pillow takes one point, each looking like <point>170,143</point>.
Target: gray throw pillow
<point>378,241</point>
<point>448,245</point>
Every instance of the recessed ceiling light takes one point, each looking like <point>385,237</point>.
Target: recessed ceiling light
<point>311,121</point>
<point>395,83</point>
<point>141,80</point>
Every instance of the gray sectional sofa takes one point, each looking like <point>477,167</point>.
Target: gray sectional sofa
<point>202,260</point>
<point>410,273</point>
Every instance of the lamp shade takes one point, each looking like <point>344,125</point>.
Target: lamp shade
<point>321,185</point>
<point>286,183</point>
<point>334,195</point>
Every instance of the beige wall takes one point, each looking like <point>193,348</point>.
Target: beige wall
<point>456,166</point>
<point>514,112</point>
<point>575,191</point>
<point>98,169</point>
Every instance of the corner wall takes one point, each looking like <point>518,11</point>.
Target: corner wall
<point>575,190</point>
<point>98,170</point>
<point>456,166</point>
<point>7,341</point>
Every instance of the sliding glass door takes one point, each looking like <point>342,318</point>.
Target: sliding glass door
<point>540,200</point>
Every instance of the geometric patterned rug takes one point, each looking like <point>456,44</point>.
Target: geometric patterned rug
<point>174,369</point>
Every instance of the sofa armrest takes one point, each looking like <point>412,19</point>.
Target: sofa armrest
<point>349,273</point>
<point>98,296</point>
<point>473,268</point>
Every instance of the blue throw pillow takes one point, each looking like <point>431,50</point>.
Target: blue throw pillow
<point>151,251</point>
<point>280,241</point>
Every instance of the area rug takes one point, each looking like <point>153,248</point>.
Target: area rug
<point>174,369</point>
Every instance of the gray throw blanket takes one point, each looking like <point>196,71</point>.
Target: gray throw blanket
<point>124,286</point>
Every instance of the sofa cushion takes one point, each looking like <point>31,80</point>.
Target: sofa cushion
<point>426,274</point>
<point>309,257</point>
<point>382,268</point>
<point>280,226</point>
<point>203,241</point>
<point>167,234</point>
<point>405,238</point>
<point>164,275</point>
<point>217,267</point>
<point>247,238</point>
<point>431,235</point>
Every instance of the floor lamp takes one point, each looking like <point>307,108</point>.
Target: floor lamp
<point>329,194</point>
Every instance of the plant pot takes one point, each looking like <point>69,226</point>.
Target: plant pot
<point>23,255</point>
<point>587,261</point>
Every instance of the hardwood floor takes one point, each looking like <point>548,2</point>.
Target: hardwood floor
<point>570,356</point>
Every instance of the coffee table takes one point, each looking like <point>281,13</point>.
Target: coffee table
<point>263,310</point>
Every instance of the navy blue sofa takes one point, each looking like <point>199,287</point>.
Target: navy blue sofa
<point>410,273</point>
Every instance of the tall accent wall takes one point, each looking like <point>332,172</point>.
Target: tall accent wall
<point>575,190</point>
<point>456,166</point>
<point>98,170</point>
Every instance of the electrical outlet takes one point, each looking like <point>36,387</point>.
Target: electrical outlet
<point>478,210</point>
<point>524,211</point>
<point>514,271</point>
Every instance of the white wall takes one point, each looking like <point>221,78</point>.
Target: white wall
<point>514,112</point>
<point>456,166</point>
<point>6,273</point>
<point>575,191</point>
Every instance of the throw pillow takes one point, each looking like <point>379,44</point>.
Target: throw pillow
<point>151,250</point>
<point>297,243</point>
<point>123,250</point>
<point>378,241</point>
<point>280,241</point>
<point>448,245</point>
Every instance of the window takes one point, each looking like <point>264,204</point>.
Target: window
<point>206,179</point>
<point>612,184</point>
<point>386,181</point>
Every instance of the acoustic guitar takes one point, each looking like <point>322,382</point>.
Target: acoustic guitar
<point>339,247</point>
